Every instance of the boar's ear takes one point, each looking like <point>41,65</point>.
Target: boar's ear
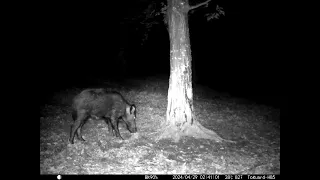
<point>132,109</point>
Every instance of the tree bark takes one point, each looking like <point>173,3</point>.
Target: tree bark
<point>180,119</point>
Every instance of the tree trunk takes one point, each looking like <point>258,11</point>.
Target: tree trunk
<point>180,117</point>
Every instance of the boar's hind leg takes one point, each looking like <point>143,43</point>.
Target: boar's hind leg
<point>79,130</point>
<point>76,127</point>
<point>110,129</point>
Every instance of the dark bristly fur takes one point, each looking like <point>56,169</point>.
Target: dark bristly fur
<point>101,104</point>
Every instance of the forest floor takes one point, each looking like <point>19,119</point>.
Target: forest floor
<point>255,129</point>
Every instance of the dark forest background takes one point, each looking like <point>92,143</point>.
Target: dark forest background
<point>239,53</point>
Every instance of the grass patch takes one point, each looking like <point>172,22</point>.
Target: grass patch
<point>252,126</point>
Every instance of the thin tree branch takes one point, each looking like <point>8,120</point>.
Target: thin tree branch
<point>201,4</point>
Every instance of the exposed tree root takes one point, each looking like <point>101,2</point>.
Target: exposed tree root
<point>195,130</point>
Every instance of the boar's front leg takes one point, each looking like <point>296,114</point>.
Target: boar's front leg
<point>114,124</point>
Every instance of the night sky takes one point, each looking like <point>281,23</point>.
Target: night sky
<point>239,53</point>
